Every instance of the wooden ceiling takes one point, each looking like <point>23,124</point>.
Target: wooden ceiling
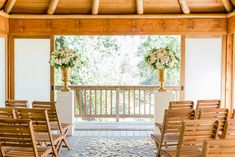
<point>114,7</point>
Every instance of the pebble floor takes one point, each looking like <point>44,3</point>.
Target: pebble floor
<point>128,145</point>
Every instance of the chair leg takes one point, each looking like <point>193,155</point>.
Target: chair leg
<point>67,145</point>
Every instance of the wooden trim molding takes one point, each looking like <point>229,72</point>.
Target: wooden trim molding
<point>4,25</point>
<point>52,7</point>
<point>231,25</point>
<point>9,5</point>
<point>118,26</point>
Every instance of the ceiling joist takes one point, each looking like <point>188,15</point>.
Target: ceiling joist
<point>52,7</point>
<point>184,6</point>
<point>9,5</point>
<point>95,7</point>
<point>228,5</point>
<point>140,6</point>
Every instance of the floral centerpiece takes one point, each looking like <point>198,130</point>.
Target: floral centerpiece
<point>65,58</point>
<point>161,59</point>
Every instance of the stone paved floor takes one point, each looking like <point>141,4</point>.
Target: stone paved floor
<point>110,144</point>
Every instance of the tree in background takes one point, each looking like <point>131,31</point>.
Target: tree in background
<point>116,60</point>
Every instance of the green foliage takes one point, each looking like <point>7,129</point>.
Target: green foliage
<point>116,60</point>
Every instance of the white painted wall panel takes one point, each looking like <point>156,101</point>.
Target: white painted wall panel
<point>32,69</point>
<point>203,68</point>
<point>2,71</point>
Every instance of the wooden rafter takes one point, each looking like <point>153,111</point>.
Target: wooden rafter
<point>95,7</point>
<point>228,5</point>
<point>52,7</point>
<point>140,6</point>
<point>9,5</point>
<point>184,6</point>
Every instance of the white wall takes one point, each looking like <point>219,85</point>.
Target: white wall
<point>32,69</point>
<point>2,71</point>
<point>203,68</point>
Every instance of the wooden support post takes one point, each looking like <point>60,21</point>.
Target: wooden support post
<point>184,6</point>
<point>9,5</point>
<point>95,7</point>
<point>223,70</point>
<point>140,6</point>
<point>228,5</point>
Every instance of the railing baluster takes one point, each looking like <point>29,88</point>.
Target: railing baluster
<point>134,101</point>
<point>124,103</point>
<point>90,94</point>
<point>144,102</point>
<point>95,102</point>
<point>139,102</point>
<point>106,102</point>
<point>150,102</point>
<point>117,105</point>
<point>100,102</point>
<point>129,102</point>
<point>79,101</point>
<point>85,101</point>
<point>111,102</point>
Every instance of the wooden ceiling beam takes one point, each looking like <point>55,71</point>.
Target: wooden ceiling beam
<point>9,5</point>
<point>184,6</point>
<point>140,6</point>
<point>95,7</point>
<point>228,5</point>
<point>52,7</point>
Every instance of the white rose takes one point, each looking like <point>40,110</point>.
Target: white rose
<point>57,61</point>
<point>159,65</point>
<point>160,54</point>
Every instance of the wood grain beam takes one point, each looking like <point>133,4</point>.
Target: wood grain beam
<point>9,5</point>
<point>228,5</point>
<point>95,7</point>
<point>140,6</point>
<point>233,2</point>
<point>52,7</point>
<point>184,6</point>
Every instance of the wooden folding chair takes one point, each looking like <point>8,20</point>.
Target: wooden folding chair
<point>207,104</point>
<point>42,128</point>
<point>17,139</point>
<point>55,123</point>
<point>7,113</point>
<point>220,114</point>
<point>192,135</point>
<point>170,131</point>
<point>219,148</point>
<point>181,105</point>
<point>16,103</point>
<point>229,129</point>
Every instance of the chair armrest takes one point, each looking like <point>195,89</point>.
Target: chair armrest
<point>159,126</point>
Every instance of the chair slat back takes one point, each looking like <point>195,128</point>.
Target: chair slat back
<point>194,133</point>
<point>52,113</point>
<point>220,114</point>
<point>16,103</point>
<point>17,133</point>
<point>39,118</point>
<point>173,119</point>
<point>181,105</point>
<point>7,113</point>
<point>229,129</point>
<point>219,148</point>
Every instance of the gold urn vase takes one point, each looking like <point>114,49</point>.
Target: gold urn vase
<point>161,79</point>
<point>65,73</point>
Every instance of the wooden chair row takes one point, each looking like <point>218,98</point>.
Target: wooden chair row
<point>199,138</point>
<point>170,130</point>
<point>44,119</point>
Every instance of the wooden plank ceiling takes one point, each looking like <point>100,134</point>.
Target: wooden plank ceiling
<point>114,7</point>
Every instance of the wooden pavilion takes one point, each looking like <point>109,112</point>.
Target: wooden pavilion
<point>44,19</point>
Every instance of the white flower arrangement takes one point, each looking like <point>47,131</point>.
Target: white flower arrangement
<point>162,58</point>
<point>65,58</point>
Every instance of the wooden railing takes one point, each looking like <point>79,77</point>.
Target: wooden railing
<point>117,101</point>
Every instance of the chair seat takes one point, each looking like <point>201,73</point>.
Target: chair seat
<point>190,152</point>
<point>42,137</point>
<point>27,152</point>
